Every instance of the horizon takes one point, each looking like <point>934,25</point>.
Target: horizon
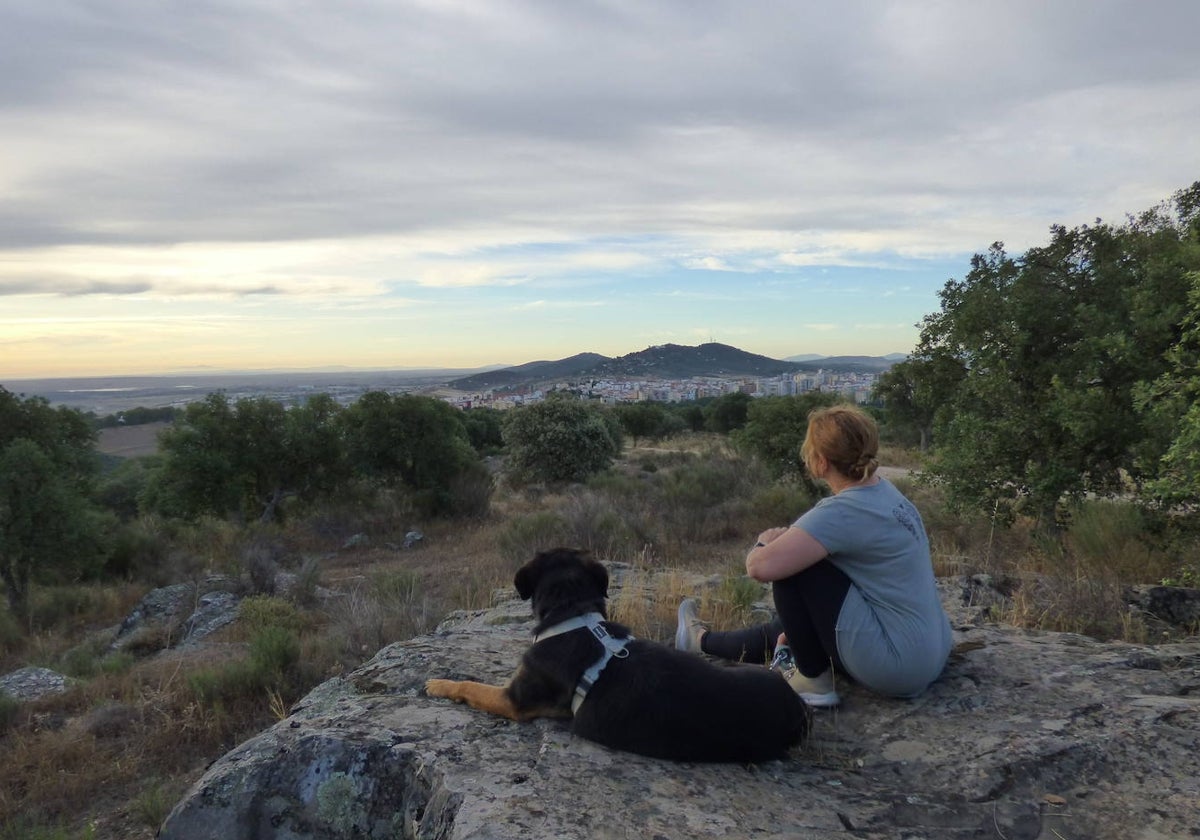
<point>333,370</point>
<point>425,185</point>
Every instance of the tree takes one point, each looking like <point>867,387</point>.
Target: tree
<point>558,439</point>
<point>485,428</point>
<point>47,466</point>
<point>1053,346</point>
<point>248,457</point>
<point>646,420</point>
<point>728,412</point>
<point>775,428</point>
<point>419,442</point>
<point>915,390</point>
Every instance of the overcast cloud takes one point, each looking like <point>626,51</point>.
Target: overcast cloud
<point>375,154</point>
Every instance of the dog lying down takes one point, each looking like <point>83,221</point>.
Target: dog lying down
<point>647,698</point>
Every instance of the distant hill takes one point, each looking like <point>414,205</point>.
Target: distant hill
<point>530,372</point>
<point>663,361</point>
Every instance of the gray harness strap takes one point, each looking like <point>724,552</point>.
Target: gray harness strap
<point>594,622</point>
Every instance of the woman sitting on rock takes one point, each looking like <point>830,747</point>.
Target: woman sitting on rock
<point>852,580</point>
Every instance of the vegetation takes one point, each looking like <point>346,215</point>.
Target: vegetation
<point>1067,371</point>
<point>559,439</point>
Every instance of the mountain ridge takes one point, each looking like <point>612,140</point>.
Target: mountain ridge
<point>665,361</point>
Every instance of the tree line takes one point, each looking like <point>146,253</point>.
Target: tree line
<point>255,460</point>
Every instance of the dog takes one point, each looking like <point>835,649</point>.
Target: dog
<point>647,699</point>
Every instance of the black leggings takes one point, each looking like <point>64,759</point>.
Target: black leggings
<point>807,606</point>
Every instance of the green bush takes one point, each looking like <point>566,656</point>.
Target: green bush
<point>559,440</point>
<point>779,505</point>
<point>272,665</point>
<point>261,612</point>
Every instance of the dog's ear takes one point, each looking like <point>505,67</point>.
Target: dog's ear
<point>526,580</point>
<point>599,575</point>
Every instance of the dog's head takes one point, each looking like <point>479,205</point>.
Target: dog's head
<point>562,582</point>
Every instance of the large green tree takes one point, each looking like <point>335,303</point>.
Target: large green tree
<point>1053,345</point>
<point>913,390</point>
<point>245,458</point>
<point>415,441</point>
<point>47,468</point>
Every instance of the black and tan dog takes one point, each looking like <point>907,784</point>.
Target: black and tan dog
<point>648,698</point>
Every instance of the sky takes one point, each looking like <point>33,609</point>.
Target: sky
<point>260,184</point>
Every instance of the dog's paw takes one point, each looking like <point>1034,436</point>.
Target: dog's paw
<point>441,688</point>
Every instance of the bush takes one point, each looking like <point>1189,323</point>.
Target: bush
<point>559,439</point>
<point>9,709</point>
<point>526,535</point>
<point>779,504</point>
<point>261,612</point>
<point>593,523</point>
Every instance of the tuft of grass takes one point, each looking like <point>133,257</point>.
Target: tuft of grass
<point>260,612</point>
<point>9,709</point>
<point>152,804</point>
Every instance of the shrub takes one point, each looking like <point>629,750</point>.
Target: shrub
<point>778,505</point>
<point>593,523</point>
<point>526,535</point>
<point>151,806</point>
<point>260,612</point>
<point>9,709</point>
<point>1114,536</point>
<point>558,440</point>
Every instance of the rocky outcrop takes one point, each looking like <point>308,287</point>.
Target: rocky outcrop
<point>1026,735</point>
<point>29,684</point>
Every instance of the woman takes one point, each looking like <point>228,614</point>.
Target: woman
<point>852,579</point>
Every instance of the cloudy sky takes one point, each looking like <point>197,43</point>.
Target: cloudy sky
<point>249,184</point>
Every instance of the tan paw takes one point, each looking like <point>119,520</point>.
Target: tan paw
<point>441,688</point>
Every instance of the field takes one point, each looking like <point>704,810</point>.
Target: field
<point>130,441</point>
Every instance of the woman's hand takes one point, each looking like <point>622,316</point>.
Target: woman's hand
<point>767,536</point>
<point>782,552</point>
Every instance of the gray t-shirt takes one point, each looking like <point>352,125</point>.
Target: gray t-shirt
<point>892,633</point>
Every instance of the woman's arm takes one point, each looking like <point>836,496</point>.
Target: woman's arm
<point>782,552</point>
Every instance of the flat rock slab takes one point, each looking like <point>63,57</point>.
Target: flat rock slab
<point>1026,735</point>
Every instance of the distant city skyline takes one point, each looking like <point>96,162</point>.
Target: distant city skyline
<point>244,186</point>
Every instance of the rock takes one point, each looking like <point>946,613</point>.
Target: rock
<point>356,542</point>
<point>1026,735</point>
<point>411,539</point>
<point>183,613</point>
<point>214,611</point>
<point>29,684</point>
<point>1177,605</point>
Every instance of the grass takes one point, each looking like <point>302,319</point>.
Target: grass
<point>677,520</point>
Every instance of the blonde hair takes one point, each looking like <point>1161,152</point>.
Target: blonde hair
<point>844,435</point>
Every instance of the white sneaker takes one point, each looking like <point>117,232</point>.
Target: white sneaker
<point>690,628</point>
<point>818,692</point>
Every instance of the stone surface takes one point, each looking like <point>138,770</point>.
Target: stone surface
<point>28,684</point>
<point>1026,735</point>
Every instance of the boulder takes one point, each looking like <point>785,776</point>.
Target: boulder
<point>1175,605</point>
<point>1026,735</point>
<point>29,684</point>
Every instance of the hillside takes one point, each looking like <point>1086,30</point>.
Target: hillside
<point>663,361</point>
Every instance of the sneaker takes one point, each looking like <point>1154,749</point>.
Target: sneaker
<point>690,629</point>
<point>817,692</point>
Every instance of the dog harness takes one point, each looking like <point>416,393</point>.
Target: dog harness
<point>594,622</point>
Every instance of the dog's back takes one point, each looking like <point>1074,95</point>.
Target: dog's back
<point>667,704</point>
